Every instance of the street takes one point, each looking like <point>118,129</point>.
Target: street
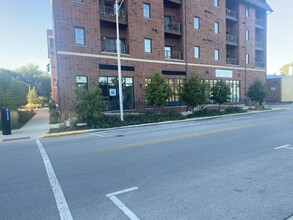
<point>235,167</point>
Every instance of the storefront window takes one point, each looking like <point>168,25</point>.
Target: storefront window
<point>81,81</point>
<point>110,89</point>
<point>234,88</point>
<point>175,86</point>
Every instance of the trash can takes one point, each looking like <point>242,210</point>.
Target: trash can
<point>6,122</point>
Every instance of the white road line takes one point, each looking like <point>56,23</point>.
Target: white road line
<point>97,135</point>
<point>61,203</point>
<point>122,191</point>
<point>120,205</point>
<point>287,146</point>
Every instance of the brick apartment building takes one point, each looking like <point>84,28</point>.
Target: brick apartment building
<point>219,39</point>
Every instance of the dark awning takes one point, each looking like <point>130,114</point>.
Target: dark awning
<point>260,4</point>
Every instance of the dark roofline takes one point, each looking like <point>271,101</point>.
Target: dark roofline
<point>260,4</point>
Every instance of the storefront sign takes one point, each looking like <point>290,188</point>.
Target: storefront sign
<point>224,73</point>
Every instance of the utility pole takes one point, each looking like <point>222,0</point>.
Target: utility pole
<point>119,59</point>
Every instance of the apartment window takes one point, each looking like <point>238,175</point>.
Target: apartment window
<point>81,81</point>
<point>79,36</point>
<point>51,42</point>
<point>147,45</point>
<point>196,52</point>
<point>216,27</point>
<point>247,35</point>
<point>247,58</point>
<point>146,10</point>
<point>196,23</point>
<point>78,1</point>
<point>216,3</point>
<point>217,54</point>
<point>247,12</point>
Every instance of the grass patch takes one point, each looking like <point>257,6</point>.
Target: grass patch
<point>19,118</point>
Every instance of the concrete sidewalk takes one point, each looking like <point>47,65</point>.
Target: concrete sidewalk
<point>33,129</point>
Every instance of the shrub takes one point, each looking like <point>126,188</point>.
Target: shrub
<point>14,117</point>
<point>31,106</point>
<point>257,91</point>
<point>195,91</point>
<point>157,90</point>
<point>88,104</point>
<point>52,105</point>
<point>220,93</point>
<point>54,116</point>
<point>24,117</point>
<point>233,110</point>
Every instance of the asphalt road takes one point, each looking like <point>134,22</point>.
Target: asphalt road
<point>227,168</point>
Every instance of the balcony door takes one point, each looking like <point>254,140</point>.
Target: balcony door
<point>168,52</point>
<point>167,21</point>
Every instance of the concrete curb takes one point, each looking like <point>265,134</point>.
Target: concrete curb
<point>61,134</point>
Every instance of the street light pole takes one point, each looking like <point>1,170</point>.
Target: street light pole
<point>119,60</point>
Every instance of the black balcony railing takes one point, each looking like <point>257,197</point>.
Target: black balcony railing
<point>259,45</point>
<point>231,39</point>
<point>259,23</point>
<point>109,13</point>
<point>111,48</point>
<point>231,14</point>
<point>259,64</point>
<point>232,61</point>
<point>173,55</point>
<point>173,27</point>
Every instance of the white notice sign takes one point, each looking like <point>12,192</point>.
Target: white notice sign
<point>112,92</point>
<point>224,73</point>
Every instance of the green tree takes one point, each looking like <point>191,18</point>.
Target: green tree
<point>257,91</point>
<point>285,69</point>
<point>12,92</point>
<point>33,100</point>
<point>157,90</point>
<point>36,78</point>
<point>194,91</point>
<point>220,93</point>
<point>88,104</point>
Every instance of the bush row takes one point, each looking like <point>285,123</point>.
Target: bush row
<point>107,121</point>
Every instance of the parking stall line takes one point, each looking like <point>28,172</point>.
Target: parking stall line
<point>120,205</point>
<point>61,203</point>
<point>287,146</point>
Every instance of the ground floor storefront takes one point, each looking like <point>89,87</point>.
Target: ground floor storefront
<point>74,70</point>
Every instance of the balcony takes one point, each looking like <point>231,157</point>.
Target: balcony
<point>259,23</point>
<point>110,47</point>
<point>259,64</point>
<point>259,45</point>
<point>173,3</point>
<point>231,40</point>
<point>232,61</point>
<point>176,55</point>
<point>231,14</point>
<point>107,13</point>
<point>173,28</point>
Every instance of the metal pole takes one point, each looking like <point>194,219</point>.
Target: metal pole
<point>119,61</point>
<point>186,38</point>
<point>245,67</point>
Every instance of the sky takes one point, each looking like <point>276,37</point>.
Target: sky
<point>24,23</point>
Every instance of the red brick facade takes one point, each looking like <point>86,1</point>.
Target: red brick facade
<point>85,60</point>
